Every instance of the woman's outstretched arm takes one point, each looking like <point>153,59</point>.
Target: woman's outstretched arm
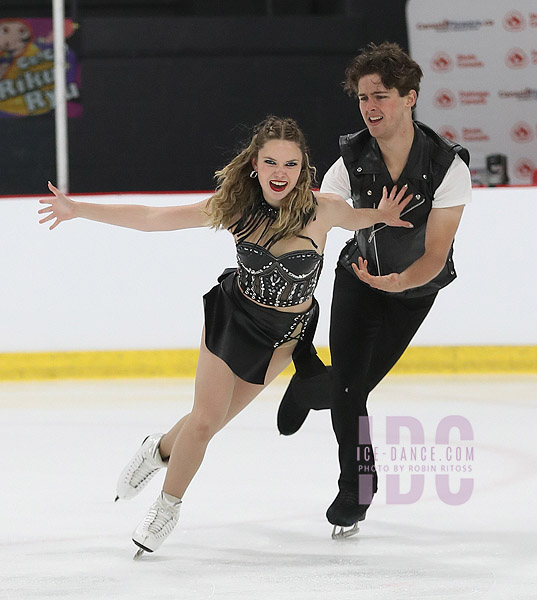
<point>341,214</point>
<point>59,207</point>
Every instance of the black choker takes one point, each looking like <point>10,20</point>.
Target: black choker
<point>259,219</point>
<point>268,210</point>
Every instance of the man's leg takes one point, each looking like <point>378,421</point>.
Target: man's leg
<point>369,332</point>
<point>356,319</point>
<point>402,319</point>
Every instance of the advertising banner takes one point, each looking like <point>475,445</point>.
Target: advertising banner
<point>479,88</point>
<point>27,68</point>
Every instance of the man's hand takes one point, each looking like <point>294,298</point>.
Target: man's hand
<point>441,227</point>
<point>386,283</point>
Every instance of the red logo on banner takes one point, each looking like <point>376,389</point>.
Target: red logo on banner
<point>444,99</point>
<point>474,134</point>
<point>514,21</point>
<point>516,58</point>
<point>524,168</point>
<point>465,61</point>
<point>441,62</point>
<point>449,132</point>
<point>456,26</point>
<point>534,57</point>
<point>533,19</point>
<point>473,97</point>
<point>525,94</point>
<point>521,133</point>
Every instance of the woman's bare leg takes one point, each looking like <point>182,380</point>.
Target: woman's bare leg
<point>168,439</point>
<point>245,392</point>
<point>212,395</point>
<point>219,396</point>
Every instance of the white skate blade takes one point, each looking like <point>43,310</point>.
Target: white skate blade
<point>343,534</point>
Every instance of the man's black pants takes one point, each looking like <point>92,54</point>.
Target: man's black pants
<point>369,331</point>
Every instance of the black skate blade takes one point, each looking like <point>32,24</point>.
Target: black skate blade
<point>140,551</point>
<point>343,533</point>
<point>116,499</point>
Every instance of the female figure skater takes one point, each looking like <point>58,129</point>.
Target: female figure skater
<point>259,316</point>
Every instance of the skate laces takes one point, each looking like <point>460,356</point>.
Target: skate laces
<point>141,470</point>
<point>161,518</point>
<point>346,497</point>
<point>143,466</point>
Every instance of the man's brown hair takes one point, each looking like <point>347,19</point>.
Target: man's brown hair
<point>396,69</point>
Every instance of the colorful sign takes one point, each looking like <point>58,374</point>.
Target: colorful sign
<point>479,89</point>
<point>27,68</point>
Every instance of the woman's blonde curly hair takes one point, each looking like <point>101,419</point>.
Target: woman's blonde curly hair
<point>236,193</point>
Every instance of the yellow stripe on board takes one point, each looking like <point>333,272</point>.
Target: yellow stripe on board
<point>182,363</point>
<point>99,365</point>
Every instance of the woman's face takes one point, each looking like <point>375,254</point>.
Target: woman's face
<point>278,165</point>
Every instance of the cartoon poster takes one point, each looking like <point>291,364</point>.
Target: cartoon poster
<point>27,68</point>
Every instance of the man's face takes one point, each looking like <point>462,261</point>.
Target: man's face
<point>384,111</point>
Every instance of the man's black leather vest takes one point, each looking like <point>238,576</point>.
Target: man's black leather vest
<point>393,249</point>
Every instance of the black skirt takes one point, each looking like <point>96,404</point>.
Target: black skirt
<point>244,334</point>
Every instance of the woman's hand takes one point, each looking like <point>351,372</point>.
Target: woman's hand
<point>392,204</point>
<point>59,207</point>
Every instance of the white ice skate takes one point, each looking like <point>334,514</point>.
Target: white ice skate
<point>141,468</point>
<point>157,525</point>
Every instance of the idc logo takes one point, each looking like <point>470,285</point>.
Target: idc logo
<point>521,133</point>
<point>444,98</point>
<point>451,465</point>
<point>514,21</point>
<point>516,58</point>
<point>441,62</point>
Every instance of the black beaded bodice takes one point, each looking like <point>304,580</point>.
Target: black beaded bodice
<point>278,281</point>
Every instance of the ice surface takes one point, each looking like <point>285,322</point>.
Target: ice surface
<point>252,524</point>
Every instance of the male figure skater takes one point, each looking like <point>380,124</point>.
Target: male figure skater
<point>387,279</point>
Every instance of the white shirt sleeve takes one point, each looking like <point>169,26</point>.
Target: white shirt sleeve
<point>337,181</point>
<point>456,187</point>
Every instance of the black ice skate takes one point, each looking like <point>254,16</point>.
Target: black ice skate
<point>301,396</point>
<point>345,511</point>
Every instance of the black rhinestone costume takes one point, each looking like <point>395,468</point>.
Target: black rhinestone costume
<point>243,333</point>
<point>285,280</point>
